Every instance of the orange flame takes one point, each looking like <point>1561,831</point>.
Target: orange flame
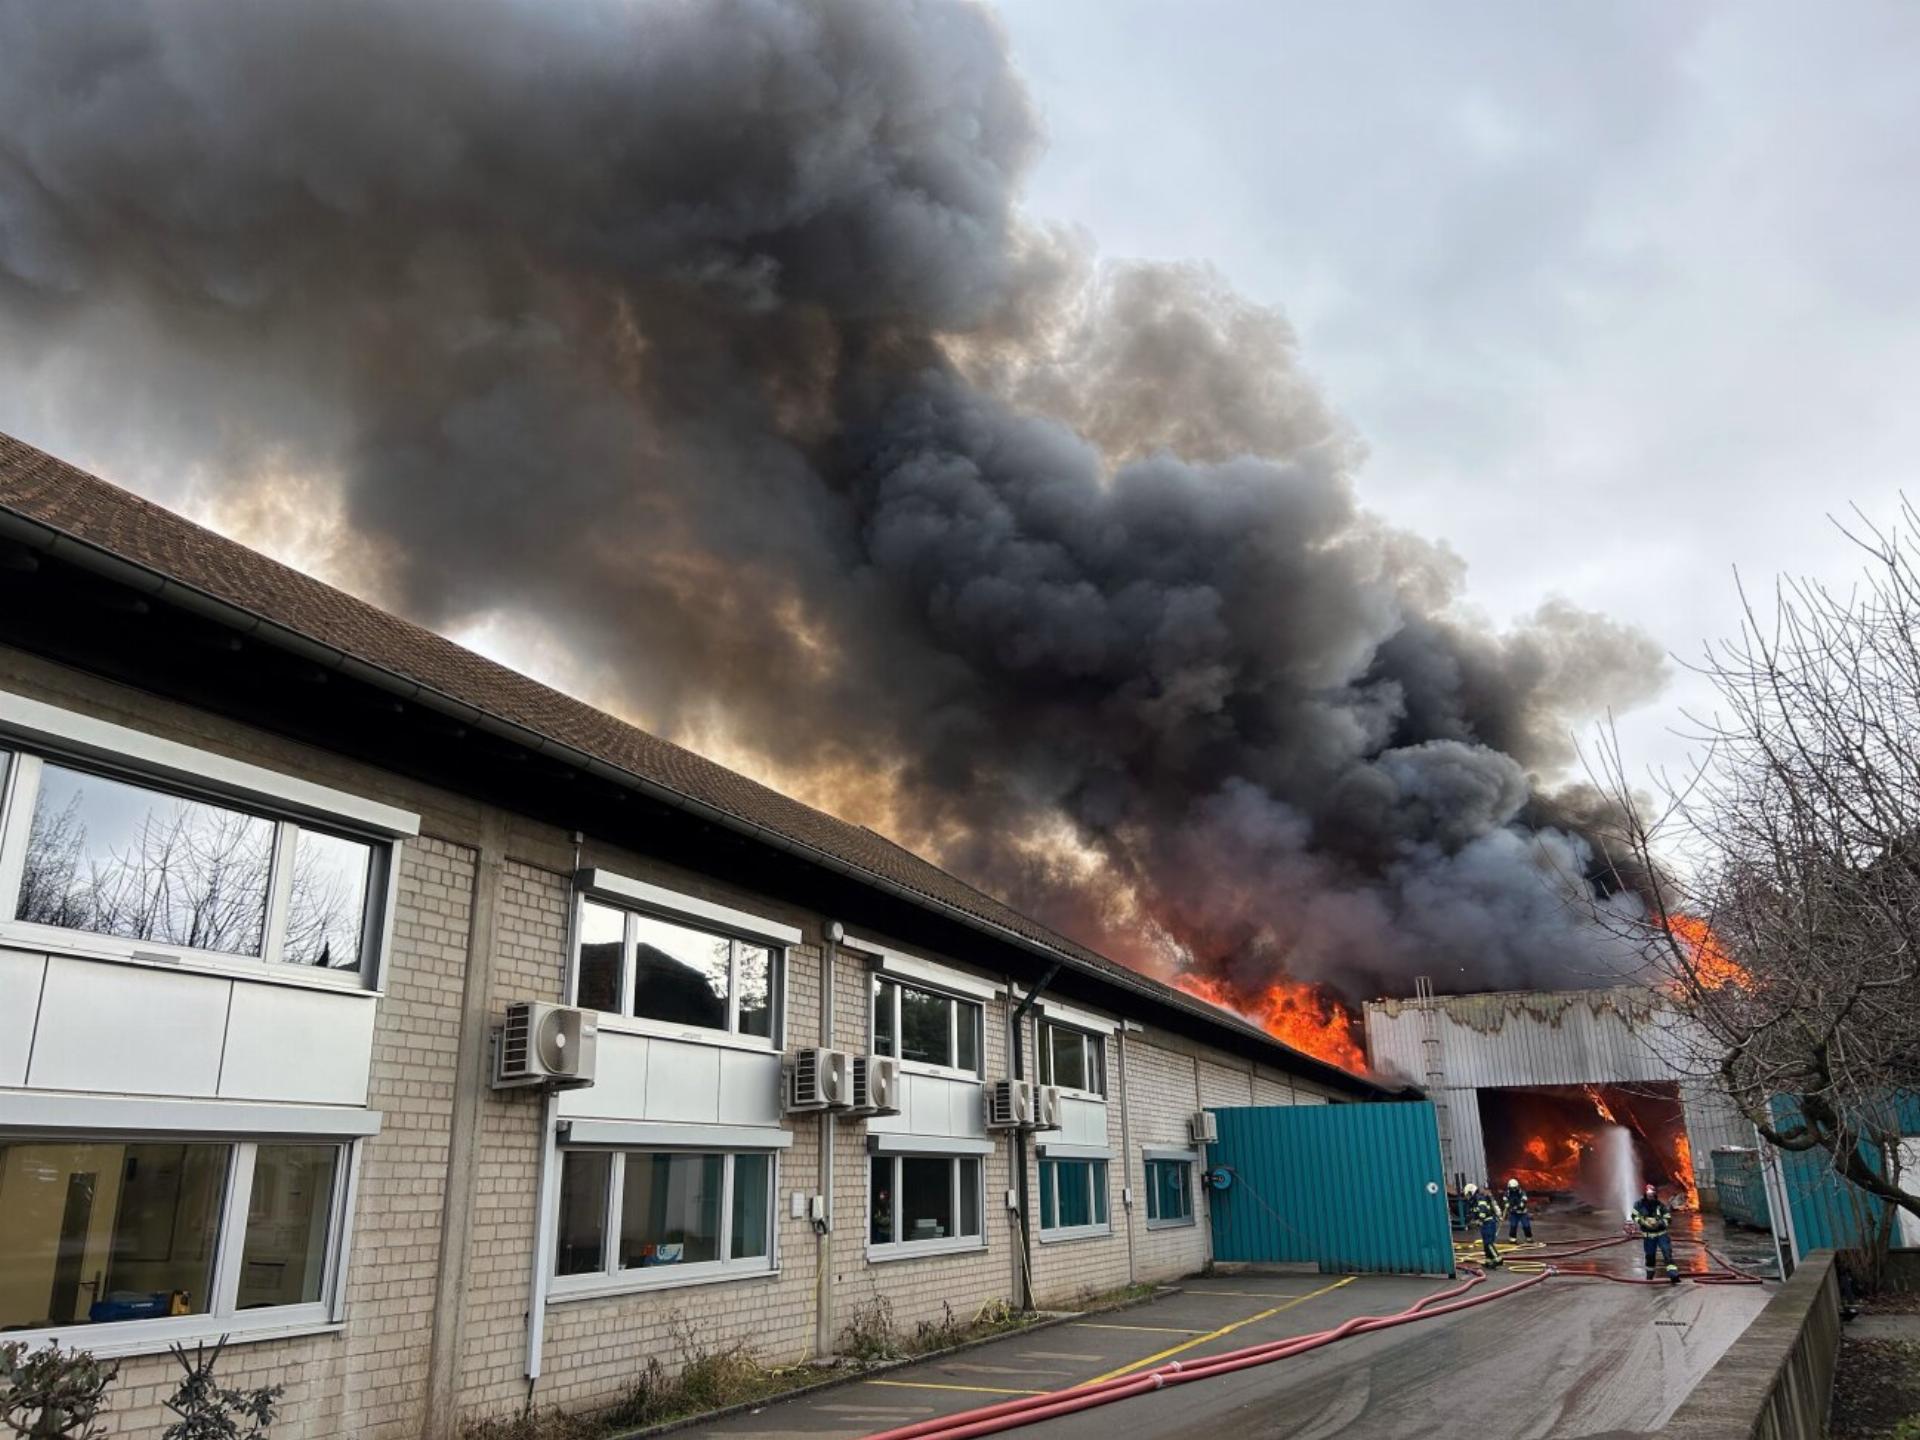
<point>1301,1015</point>
<point>1683,1152</point>
<point>1708,961</point>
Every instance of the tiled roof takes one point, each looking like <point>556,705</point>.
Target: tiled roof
<point>81,507</point>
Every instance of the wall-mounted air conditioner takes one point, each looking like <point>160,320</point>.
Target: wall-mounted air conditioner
<point>1203,1128</point>
<point>819,1079</point>
<point>1046,1108</point>
<point>876,1085</point>
<point>1009,1104</point>
<point>549,1045</point>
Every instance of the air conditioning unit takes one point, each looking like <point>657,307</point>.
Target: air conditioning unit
<point>1203,1128</point>
<point>1046,1108</point>
<point>876,1085</point>
<point>1009,1104</point>
<point>819,1079</point>
<point>550,1045</point>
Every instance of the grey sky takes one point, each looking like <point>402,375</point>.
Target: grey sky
<point>1620,296</point>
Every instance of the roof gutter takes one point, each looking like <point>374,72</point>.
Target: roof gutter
<point>51,540</point>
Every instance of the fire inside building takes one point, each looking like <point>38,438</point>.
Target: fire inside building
<point>1577,1092</point>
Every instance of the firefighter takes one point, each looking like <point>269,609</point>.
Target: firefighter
<point>1483,1210</point>
<point>1653,1220</point>
<point>1515,1204</point>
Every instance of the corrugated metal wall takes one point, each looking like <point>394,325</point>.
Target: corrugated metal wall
<point>1519,1039</point>
<point>1351,1188</point>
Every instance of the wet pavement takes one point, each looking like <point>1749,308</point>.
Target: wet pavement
<point>1568,1357</point>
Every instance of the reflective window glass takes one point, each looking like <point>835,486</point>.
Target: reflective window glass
<point>926,1198</point>
<point>926,1027</point>
<point>754,972</point>
<point>680,974</point>
<point>117,859</point>
<point>752,1181</point>
<point>602,943</point>
<point>327,901</point>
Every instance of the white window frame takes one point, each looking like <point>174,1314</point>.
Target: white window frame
<point>147,1337</point>
<point>635,898</point>
<point>33,735</point>
<point>1096,1050</point>
<point>898,1249</point>
<point>1185,1159</point>
<point>1099,1182</point>
<point>955,1002</point>
<point>612,1280</point>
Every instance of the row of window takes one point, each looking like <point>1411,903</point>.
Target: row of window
<point>99,1232</point>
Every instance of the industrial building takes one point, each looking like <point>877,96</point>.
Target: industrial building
<point>1522,1079</point>
<point>453,1046</point>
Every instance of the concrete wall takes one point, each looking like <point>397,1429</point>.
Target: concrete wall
<point>1776,1381</point>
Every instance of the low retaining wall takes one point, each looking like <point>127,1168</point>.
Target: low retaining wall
<point>1775,1382</point>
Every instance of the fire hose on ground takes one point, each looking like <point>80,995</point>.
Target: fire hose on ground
<point>1032,1409</point>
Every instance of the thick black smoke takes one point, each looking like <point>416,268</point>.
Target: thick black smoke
<point>710,339</point>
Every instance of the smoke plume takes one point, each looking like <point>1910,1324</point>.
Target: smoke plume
<point>702,350</point>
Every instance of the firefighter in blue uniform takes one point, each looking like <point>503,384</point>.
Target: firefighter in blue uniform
<point>1483,1210</point>
<point>1515,1204</point>
<point>1654,1220</point>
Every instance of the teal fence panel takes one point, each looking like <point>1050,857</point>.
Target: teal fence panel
<point>1350,1188</point>
<point>1829,1212</point>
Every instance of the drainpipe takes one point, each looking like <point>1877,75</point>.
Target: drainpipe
<point>547,1193</point>
<point>1126,1145</point>
<point>1020,1137</point>
<point>823,1333</point>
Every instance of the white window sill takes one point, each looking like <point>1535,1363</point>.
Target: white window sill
<point>940,1072</point>
<point>1064,1235</point>
<point>565,1289</point>
<point>1186,1224</point>
<point>612,1023</point>
<point>146,955</point>
<point>129,1338</point>
<point>925,1249</point>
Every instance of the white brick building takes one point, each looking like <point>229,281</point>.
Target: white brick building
<point>272,866</point>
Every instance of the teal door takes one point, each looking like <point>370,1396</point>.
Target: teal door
<point>1350,1188</point>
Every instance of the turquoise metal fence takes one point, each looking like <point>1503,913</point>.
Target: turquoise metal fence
<point>1830,1213</point>
<point>1350,1188</point>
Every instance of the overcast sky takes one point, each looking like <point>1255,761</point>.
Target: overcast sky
<point>1621,296</point>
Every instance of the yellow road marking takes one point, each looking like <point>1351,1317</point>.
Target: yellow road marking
<point>1170,1352</point>
<point>1153,1329</point>
<point>969,1389</point>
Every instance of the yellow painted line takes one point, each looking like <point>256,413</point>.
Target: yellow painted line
<point>969,1389</point>
<point>1150,1329</point>
<point>1170,1352</point>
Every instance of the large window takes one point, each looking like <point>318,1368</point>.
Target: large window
<point>1073,1198</point>
<point>159,869</point>
<point>633,963</point>
<point>102,1232</point>
<point>923,1203</point>
<point>662,1217</point>
<point>925,1026</point>
<point>1169,1192</point>
<point>1072,1059</point>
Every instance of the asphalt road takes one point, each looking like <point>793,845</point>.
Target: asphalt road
<point>1566,1358</point>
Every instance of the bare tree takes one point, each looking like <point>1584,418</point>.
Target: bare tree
<point>1781,873</point>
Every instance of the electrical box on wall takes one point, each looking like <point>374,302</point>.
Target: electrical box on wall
<point>797,1205</point>
<point>1013,1199</point>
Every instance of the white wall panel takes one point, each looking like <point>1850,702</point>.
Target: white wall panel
<point>934,1105</point>
<point>683,1081</point>
<point>1082,1122</point>
<point>288,1043</point>
<point>129,1030</point>
<point>20,976</point>
<point>619,1089</point>
<point>749,1088</point>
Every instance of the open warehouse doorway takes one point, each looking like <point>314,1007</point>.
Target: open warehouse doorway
<point>1594,1143</point>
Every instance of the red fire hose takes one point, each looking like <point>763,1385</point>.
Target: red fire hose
<point>1032,1409</point>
